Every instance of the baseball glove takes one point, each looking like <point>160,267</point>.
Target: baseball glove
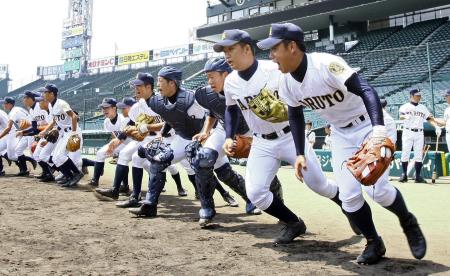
<point>372,160</point>
<point>24,124</point>
<point>144,119</point>
<point>52,136</point>
<point>267,107</point>
<point>133,133</point>
<point>74,143</point>
<point>243,145</point>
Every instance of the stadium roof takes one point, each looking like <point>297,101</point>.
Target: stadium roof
<point>316,16</point>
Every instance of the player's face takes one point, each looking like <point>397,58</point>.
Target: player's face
<point>327,130</point>
<point>48,96</point>
<point>416,98</point>
<point>236,56</point>
<point>125,111</point>
<point>448,99</point>
<point>166,87</point>
<point>109,112</point>
<point>27,101</point>
<point>7,106</point>
<point>282,55</point>
<point>216,80</point>
<point>139,92</point>
<point>308,127</point>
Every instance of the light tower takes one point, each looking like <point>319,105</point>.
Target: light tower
<point>76,36</point>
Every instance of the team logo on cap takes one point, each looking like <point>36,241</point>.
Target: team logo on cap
<point>336,68</point>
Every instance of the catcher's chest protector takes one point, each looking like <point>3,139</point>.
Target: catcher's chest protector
<point>215,102</point>
<point>176,114</point>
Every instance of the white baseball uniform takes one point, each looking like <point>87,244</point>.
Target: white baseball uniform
<point>310,137</point>
<point>64,123</point>
<point>115,128</point>
<point>447,126</point>
<point>266,155</point>
<point>327,143</point>
<point>412,136</point>
<point>323,90</point>
<point>36,114</point>
<point>43,153</point>
<point>16,115</point>
<point>3,123</point>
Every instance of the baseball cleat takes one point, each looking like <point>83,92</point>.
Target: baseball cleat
<point>230,200</point>
<point>182,192</point>
<point>2,173</point>
<point>84,170</point>
<point>47,178</point>
<point>93,183</point>
<point>420,180</point>
<point>106,194</point>
<point>206,216</point>
<point>130,203</point>
<point>41,176</point>
<point>415,237</point>
<point>124,190</point>
<point>59,177</point>
<point>373,252</point>
<point>251,209</point>
<point>74,181</point>
<point>403,178</point>
<point>23,173</point>
<point>290,231</point>
<point>146,210</point>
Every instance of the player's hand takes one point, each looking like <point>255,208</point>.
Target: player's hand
<point>202,136</point>
<point>300,165</point>
<point>112,146</point>
<point>19,133</point>
<point>229,146</point>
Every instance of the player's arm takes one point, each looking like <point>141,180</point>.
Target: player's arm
<point>403,115</point>
<point>439,121</point>
<point>31,131</point>
<point>7,129</point>
<point>74,119</point>
<point>47,128</point>
<point>358,86</point>
<point>297,124</point>
<point>232,116</point>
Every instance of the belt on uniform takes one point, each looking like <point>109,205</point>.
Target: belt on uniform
<point>360,118</point>
<point>66,129</point>
<point>274,135</point>
<point>415,129</point>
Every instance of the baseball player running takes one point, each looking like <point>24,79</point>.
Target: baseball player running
<point>327,142</point>
<point>251,87</point>
<point>413,115</point>
<point>310,134</point>
<point>15,117</point>
<point>113,123</point>
<point>212,98</point>
<point>66,121</point>
<point>327,85</point>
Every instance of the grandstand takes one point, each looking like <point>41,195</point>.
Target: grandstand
<point>393,59</point>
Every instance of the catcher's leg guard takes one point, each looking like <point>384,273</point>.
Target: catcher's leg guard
<point>232,179</point>
<point>206,184</point>
<point>155,187</point>
<point>276,188</point>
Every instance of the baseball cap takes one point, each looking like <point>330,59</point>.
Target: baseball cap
<point>143,78</point>
<point>308,123</point>
<point>447,93</point>
<point>126,102</point>
<point>217,64</point>
<point>170,73</point>
<point>31,94</point>
<point>48,88</point>
<point>282,31</point>
<point>108,102</point>
<point>9,100</point>
<point>231,37</point>
<point>39,99</point>
<point>415,92</point>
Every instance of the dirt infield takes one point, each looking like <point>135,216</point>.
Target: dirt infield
<point>45,229</point>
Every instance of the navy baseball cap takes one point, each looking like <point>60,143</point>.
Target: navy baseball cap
<point>9,100</point>
<point>415,92</point>
<point>231,37</point>
<point>217,64</point>
<point>39,99</point>
<point>48,88</point>
<point>108,102</point>
<point>308,123</point>
<point>447,93</point>
<point>126,102</point>
<point>170,73</point>
<point>282,31</point>
<point>31,94</point>
<point>143,78</point>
